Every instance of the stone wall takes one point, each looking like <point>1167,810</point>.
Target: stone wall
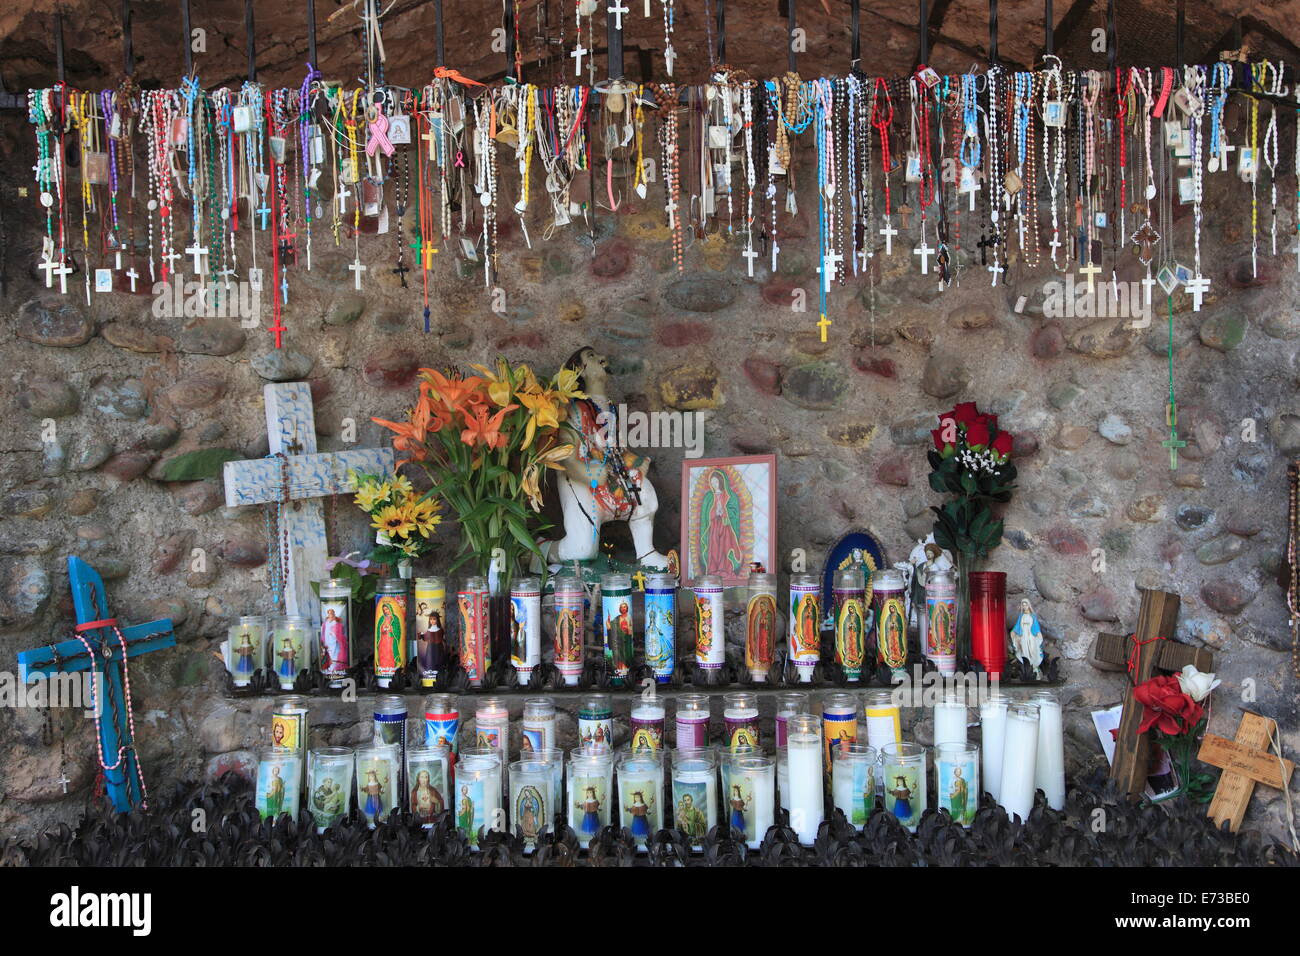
<point>128,392</point>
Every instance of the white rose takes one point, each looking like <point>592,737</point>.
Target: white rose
<point>1195,684</point>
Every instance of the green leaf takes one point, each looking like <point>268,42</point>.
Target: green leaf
<point>197,465</point>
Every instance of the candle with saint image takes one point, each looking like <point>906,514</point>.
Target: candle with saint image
<point>647,725</point>
<point>905,782</point>
<point>695,792</point>
<point>591,785</point>
<point>760,625</point>
<point>1019,761</point>
<point>329,785</point>
<point>478,793</point>
<point>616,626</point>
<point>335,631</point>
<point>749,793</point>
<point>596,721</point>
<point>853,781</point>
<point>993,733</point>
<point>839,727</point>
<point>891,619</point>
<point>390,731</point>
<point>537,726</point>
<point>244,649</point>
<point>472,606</point>
<point>390,629</point>
<point>442,722</point>
<point>790,702</point>
<point>661,625</point>
<point>692,722</point>
<point>641,792</point>
<point>804,776</point>
<point>939,617</point>
<point>430,640</point>
<point>849,596</point>
<point>805,625</point>
<point>740,720</point>
<point>710,624</point>
<point>532,798</point>
<point>956,776</point>
<point>1049,761</point>
<point>569,627</point>
<point>525,627</point>
<point>290,648</point>
<point>950,720</point>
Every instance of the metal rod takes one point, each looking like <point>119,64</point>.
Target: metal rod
<point>251,42</point>
<point>1112,40</point>
<point>1049,22</point>
<point>58,46</point>
<point>993,31</point>
<point>789,36</point>
<point>439,36</point>
<point>923,29</point>
<point>722,32</point>
<point>128,59</point>
<point>614,42</point>
<point>311,34</point>
<point>510,38</point>
<point>855,32</point>
<point>1180,24</point>
<point>187,38</point>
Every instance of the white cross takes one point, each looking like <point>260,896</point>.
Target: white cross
<point>578,53</point>
<point>1055,244</point>
<point>618,12</point>
<point>924,251</point>
<point>751,254</point>
<point>430,138</point>
<point>357,268</point>
<point>671,209</point>
<point>995,270</point>
<point>49,265</point>
<point>865,254</point>
<point>889,232</point>
<point>291,428</point>
<point>63,271</point>
<point>170,259</point>
<point>829,261</point>
<point>1196,288</point>
<point>63,779</point>
<point>669,55</point>
<point>198,252</point>
<point>117,259</point>
<point>1147,283</point>
<point>1225,148</point>
<point>132,275</point>
<point>1090,271</point>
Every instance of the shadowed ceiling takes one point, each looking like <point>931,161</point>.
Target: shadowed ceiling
<point>755,37</point>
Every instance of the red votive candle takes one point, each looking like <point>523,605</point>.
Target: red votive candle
<point>988,620</point>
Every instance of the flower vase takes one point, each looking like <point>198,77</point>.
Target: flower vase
<point>405,570</point>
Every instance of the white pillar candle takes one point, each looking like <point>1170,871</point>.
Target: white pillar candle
<point>950,721</point>
<point>993,732</point>
<point>805,776</point>
<point>1049,766</point>
<point>641,793</point>
<point>478,792</point>
<point>749,794</point>
<point>1019,756</point>
<point>853,782</point>
<point>783,777</point>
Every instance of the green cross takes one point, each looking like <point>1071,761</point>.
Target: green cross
<point>1173,443</point>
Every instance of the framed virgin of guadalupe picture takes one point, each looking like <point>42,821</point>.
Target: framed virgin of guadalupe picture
<point>728,517</point>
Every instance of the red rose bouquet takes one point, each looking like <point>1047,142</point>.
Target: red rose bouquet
<point>1171,708</point>
<point>971,461</point>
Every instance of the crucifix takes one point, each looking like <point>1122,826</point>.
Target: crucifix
<point>49,265</point>
<point>264,211</point>
<point>1145,237</point>
<point>671,209</point>
<point>1196,287</point>
<point>297,483</point>
<point>829,261</point>
<point>1090,270</point>
<point>924,251</point>
<point>102,646</point>
<point>578,53</point>
<point>132,275</point>
<point>1141,654</point>
<point>170,258</point>
<point>889,232</point>
<point>639,578</point>
<point>1245,761</point>
<point>198,252</point>
<point>823,324</point>
<point>63,271</point>
<point>1173,442</point>
<point>905,214</point>
<point>750,254</point>
<point>617,10</point>
<point>400,271</point>
<point>995,269</point>
<point>357,268</point>
<point>669,55</point>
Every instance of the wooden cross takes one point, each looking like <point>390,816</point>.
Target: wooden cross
<point>291,427</point>
<point>1245,762</point>
<point>1147,650</point>
<point>1144,239</point>
<point>106,661</point>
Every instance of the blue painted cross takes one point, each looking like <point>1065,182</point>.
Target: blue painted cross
<point>107,662</point>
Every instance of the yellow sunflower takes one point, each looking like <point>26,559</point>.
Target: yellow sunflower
<point>402,485</point>
<point>425,514</point>
<point>371,494</point>
<point>394,520</point>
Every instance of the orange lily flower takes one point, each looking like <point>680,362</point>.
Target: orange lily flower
<point>480,428</point>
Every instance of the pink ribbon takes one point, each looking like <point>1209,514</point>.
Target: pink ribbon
<point>378,138</point>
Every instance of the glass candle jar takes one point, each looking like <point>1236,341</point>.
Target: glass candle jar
<point>290,648</point>
<point>553,760</point>
<point>569,602</point>
<point>430,644</point>
<point>478,793</point>
<point>884,723</point>
<point>537,726</point>
<point>533,797</point>
<point>661,625</point>
<point>279,782</point>
<point>390,730</point>
<point>710,623</point>
<point>839,727</point>
<point>903,772</point>
<point>939,620</point>
<point>492,724</point>
<point>849,597</point>
<point>988,620</point>
<point>760,625</point>
<point>1019,761</point>
<point>616,626</point>
<point>740,721</point>
<point>783,777</point>
<point>329,785</point>
<point>695,792</point>
<point>390,629</point>
<point>749,794</point>
<point>957,782</point>
<point>890,608</point>
<point>993,733</point>
<point>591,786</point>
<point>379,771</point>
<point>805,625</point>
<point>804,776</point>
<point>525,627</point>
<point>788,703</point>
<point>472,604</point>
<point>596,721</point>
<point>335,642</point>
<point>244,650</point>
<point>442,722</point>
<point>290,724</point>
<point>853,781</point>
<point>428,782</point>
<point>1049,761</point>
<point>692,724</point>
<point>647,724</point>
<point>950,720</point>
<point>641,792</point>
